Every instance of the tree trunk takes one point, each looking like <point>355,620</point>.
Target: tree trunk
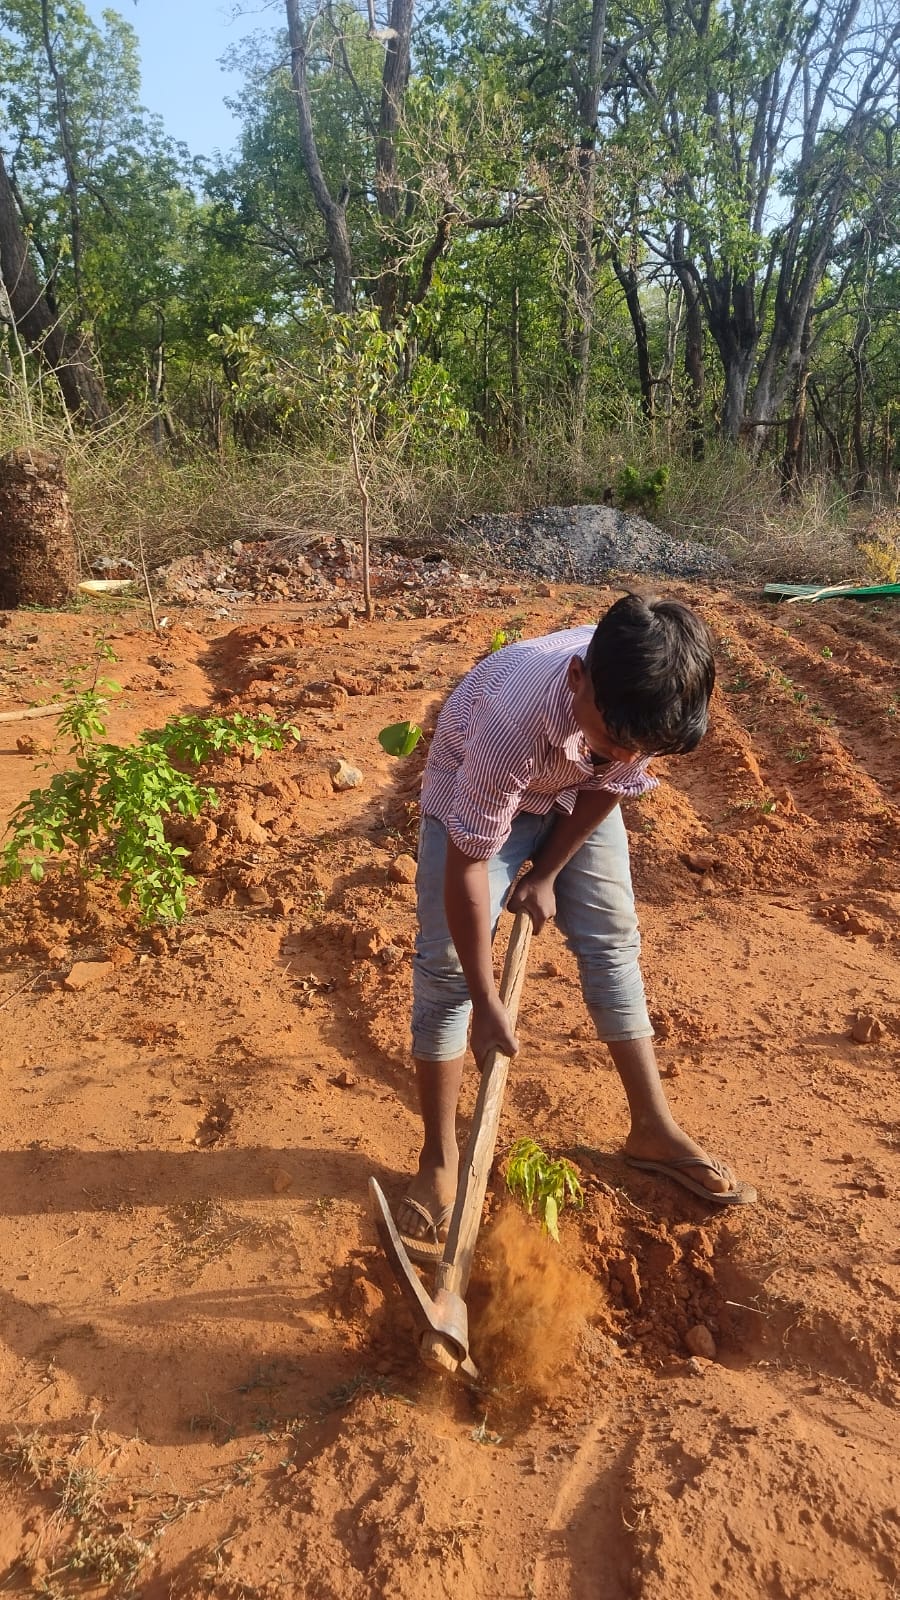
<point>38,557</point>
<point>862,479</point>
<point>588,108</point>
<point>68,357</point>
<point>628,279</point>
<point>796,438</point>
<point>515,365</point>
<point>387,192</point>
<point>68,153</point>
<point>333,212</point>
<point>694,362</point>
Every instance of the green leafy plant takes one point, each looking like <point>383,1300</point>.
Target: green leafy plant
<point>641,488</point>
<point>400,739</point>
<point>538,1181</point>
<point>374,388</point>
<point>105,816</point>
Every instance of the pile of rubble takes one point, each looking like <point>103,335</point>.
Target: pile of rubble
<point>296,569</point>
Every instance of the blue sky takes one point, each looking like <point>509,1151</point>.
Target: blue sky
<point>181,44</point>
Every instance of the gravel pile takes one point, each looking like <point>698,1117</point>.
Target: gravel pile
<point>585,544</point>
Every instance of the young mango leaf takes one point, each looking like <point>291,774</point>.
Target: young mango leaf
<point>400,739</point>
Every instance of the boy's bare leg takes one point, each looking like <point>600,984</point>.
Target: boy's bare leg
<point>434,1184</point>
<point>654,1135</point>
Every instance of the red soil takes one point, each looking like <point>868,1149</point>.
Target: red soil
<point>210,1382</point>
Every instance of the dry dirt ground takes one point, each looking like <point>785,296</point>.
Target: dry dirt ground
<point>209,1383</point>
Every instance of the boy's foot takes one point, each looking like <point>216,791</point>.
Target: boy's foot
<point>423,1214</point>
<point>681,1159</point>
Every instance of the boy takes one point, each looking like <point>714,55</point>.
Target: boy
<point>531,755</point>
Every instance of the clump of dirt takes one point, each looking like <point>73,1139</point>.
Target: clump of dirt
<point>529,1306</point>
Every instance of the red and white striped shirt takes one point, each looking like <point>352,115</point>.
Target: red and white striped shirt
<point>506,741</point>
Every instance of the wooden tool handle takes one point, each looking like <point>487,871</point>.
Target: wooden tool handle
<point>453,1271</point>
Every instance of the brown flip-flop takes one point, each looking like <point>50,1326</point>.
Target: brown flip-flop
<point>428,1248</point>
<point>739,1194</point>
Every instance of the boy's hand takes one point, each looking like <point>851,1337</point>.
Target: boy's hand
<point>491,1028</point>
<point>534,894</point>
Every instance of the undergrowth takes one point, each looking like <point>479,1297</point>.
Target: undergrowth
<point>126,492</point>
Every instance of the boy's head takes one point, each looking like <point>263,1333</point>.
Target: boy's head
<point>649,670</point>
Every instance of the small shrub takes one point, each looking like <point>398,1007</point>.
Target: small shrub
<point>881,548</point>
<point>641,488</point>
<point>105,817</point>
<point>537,1181</point>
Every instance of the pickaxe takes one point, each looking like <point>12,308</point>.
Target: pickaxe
<point>442,1315</point>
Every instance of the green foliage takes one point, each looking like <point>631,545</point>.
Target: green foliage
<point>106,816</point>
<point>537,1181</point>
<point>504,636</point>
<point>400,739</point>
<point>641,488</point>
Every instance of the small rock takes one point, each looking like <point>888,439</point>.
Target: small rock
<point>707,884</point>
<point>85,973</point>
<point>26,745</point>
<point>551,970</point>
<point>345,776</point>
<point>329,696</point>
<point>391,956</point>
<point>282,1180</point>
<point>402,869</point>
<point>370,941</point>
<point>345,1080</point>
<point>370,1301</point>
<point>699,861</point>
<point>258,896</point>
<point>120,954</point>
<point>773,821</point>
<point>700,1341</point>
<point>625,1270</point>
<point>202,859</point>
<point>866,1029</point>
<point>697,1367</point>
<point>244,826</point>
<point>345,620</point>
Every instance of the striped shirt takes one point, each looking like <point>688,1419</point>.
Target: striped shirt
<point>506,741</point>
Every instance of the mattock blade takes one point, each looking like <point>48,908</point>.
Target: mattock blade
<point>447,1314</point>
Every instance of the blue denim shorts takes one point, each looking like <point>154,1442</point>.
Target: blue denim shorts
<point>594,911</point>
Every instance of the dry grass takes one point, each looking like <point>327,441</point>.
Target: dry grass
<point>94,1525</point>
<point>187,498</point>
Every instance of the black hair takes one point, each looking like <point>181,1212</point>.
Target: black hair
<point>652,670</point>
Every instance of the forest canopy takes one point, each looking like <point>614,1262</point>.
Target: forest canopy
<point>677,214</point>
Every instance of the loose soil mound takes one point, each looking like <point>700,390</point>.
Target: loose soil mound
<point>210,1381</point>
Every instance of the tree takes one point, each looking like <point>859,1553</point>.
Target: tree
<point>756,114</point>
<point>36,319</point>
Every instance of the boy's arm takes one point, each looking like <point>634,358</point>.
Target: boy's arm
<point>468,905</point>
<point>534,893</point>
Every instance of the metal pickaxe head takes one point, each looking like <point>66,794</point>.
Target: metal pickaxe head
<point>444,1312</point>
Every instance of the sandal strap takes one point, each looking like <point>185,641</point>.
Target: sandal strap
<point>431,1223</point>
<point>710,1162</point>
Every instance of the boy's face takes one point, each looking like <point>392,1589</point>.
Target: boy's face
<point>590,719</point>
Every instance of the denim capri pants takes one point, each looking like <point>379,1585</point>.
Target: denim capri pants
<point>594,911</point>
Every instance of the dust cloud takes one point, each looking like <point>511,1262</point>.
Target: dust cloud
<point>528,1307</point>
